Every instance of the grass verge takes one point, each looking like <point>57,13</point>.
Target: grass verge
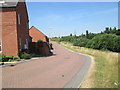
<point>105,73</point>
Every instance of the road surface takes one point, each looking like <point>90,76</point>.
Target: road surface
<point>65,69</point>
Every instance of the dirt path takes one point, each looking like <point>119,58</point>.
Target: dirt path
<point>57,71</point>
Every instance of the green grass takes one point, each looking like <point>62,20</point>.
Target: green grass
<point>106,66</point>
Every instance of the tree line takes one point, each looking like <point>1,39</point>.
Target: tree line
<point>109,39</point>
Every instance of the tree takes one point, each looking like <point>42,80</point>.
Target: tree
<point>114,28</point>
<point>118,32</point>
<point>101,32</point>
<point>91,35</point>
<point>87,34</point>
<point>71,34</point>
<point>107,30</point>
<point>110,29</point>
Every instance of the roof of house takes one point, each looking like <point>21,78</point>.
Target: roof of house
<point>37,34</point>
<point>37,30</point>
<point>9,3</point>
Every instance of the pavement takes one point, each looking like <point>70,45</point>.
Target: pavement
<point>65,69</point>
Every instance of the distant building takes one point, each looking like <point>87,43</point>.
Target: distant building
<point>14,27</point>
<point>37,35</point>
<point>42,48</point>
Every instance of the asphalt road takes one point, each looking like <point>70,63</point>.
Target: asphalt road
<point>65,69</point>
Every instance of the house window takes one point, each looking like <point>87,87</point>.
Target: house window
<point>18,18</point>
<point>0,46</point>
<point>20,43</point>
<point>26,45</point>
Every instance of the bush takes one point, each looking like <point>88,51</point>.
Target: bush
<point>80,42</point>
<point>115,46</point>
<point>105,42</point>
<point>55,39</point>
<point>9,58</point>
<point>68,38</point>
<point>25,56</point>
<point>39,41</point>
<point>16,59</point>
<point>6,58</point>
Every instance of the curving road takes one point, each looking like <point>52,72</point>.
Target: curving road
<point>65,69</point>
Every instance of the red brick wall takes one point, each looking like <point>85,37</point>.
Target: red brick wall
<point>0,30</point>
<point>46,49</point>
<point>9,32</point>
<point>41,48</point>
<point>0,24</point>
<point>37,35</point>
<point>23,29</point>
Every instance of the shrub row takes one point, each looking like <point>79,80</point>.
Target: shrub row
<point>10,58</point>
<point>109,42</point>
<point>80,42</point>
<point>24,55</point>
<point>106,42</point>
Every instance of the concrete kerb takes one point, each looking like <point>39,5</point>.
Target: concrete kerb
<point>20,62</point>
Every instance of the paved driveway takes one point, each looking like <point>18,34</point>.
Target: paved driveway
<point>63,69</point>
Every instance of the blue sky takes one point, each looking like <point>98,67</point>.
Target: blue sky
<point>63,18</point>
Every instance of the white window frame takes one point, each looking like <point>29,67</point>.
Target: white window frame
<point>26,44</point>
<point>1,46</point>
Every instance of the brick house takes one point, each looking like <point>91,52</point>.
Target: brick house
<point>42,48</point>
<point>14,27</point>
<point>37,35</point>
